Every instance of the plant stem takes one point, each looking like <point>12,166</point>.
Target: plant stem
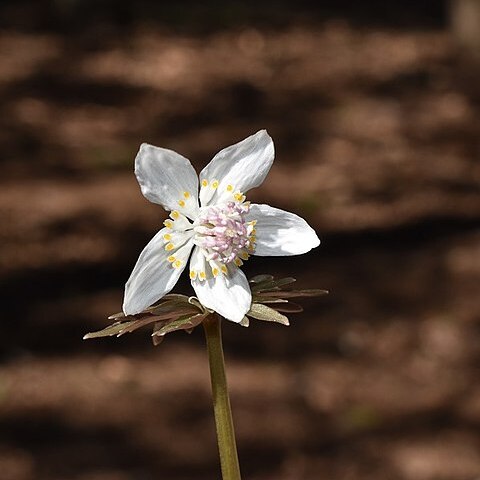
<point>221,402</point>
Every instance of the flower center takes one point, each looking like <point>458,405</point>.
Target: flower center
<point>224,234</point>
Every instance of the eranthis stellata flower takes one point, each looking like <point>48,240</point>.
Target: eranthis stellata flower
<point>212,227</point>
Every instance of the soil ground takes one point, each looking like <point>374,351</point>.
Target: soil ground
<point>377,136</point>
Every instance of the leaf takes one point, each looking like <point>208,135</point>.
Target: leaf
<point>288,307</point>
<point>166,302</point>
<point>275,284</point>
<point>183,323</point>
<point>174,306</point>
<point>245,322</point>
<point>261,299</point>
<point>293,293</point>
<point>176,296</point>
<point>156,340</point>
<point>262,312</point>
<point>195,301</point>
<point>119,328</point>
<point>261,278</point>
<point>284,281</point>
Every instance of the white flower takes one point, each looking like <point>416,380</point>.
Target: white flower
<point>218,225</point>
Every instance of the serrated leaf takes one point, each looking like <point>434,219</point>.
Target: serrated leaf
<point>262,312</point>
<point>185,322</point>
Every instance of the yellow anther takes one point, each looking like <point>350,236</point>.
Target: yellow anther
<point>244,255</point>
<point>215,184</point>
<point>229,188</point>
<point>177,263</point>
<point>193,274</point>
<point>239,197</point>
<point>253,223</point>
<point>253,238</point>
<point>202,275</point>
<point>168,223</point>
<point>223,268</point>
<point>204,183</point>
<point>171,258</point>
<point>181,203</point>
<point>174,214</point>
<point>238,262</point>
<point>186,194</point>
<point>169,247</point>
<point>167,237</point>
<point>254,232</point>
<point>215,271</point>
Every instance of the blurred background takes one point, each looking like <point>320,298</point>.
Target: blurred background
<point>374,108</point>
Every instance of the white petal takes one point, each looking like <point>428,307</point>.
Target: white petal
<point>153,275</point>
<point>243,166</point>
<point>281,233</point>
<point>227,295</point>
<point>168,179</point>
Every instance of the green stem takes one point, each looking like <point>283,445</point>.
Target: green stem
<point>221,402</point>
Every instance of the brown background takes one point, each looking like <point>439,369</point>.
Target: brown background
<point>376,124</point>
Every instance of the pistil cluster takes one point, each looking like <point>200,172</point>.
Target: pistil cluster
<point>224,235</point>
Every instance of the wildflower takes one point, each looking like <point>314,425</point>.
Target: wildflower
<point>216,227</point>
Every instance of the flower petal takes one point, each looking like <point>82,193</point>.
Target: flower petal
<point>155,273</point>
<point>280,233</point>
<point>237,168</point>
<point>168,179</point>
<point>229,295</point>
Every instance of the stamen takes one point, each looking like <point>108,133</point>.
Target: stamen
<point>171,258</point>
<point>177,263</point>
<point>204,183</point>
<point>193,274</point>
<point>215,184</point>
<point>169,247</point>
<point>223,268</point>
<point>168,223</point>
<point>174,214</point>
<point>186,194</point>
<point>202,275</point>
<point>167,237</point>
<point>238,262</point>
<point>239,197</point>
<point>215,272</point>
<point>181,203</point>
<point>229,188</point>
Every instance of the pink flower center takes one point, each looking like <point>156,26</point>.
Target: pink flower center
<point>223,232</point>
